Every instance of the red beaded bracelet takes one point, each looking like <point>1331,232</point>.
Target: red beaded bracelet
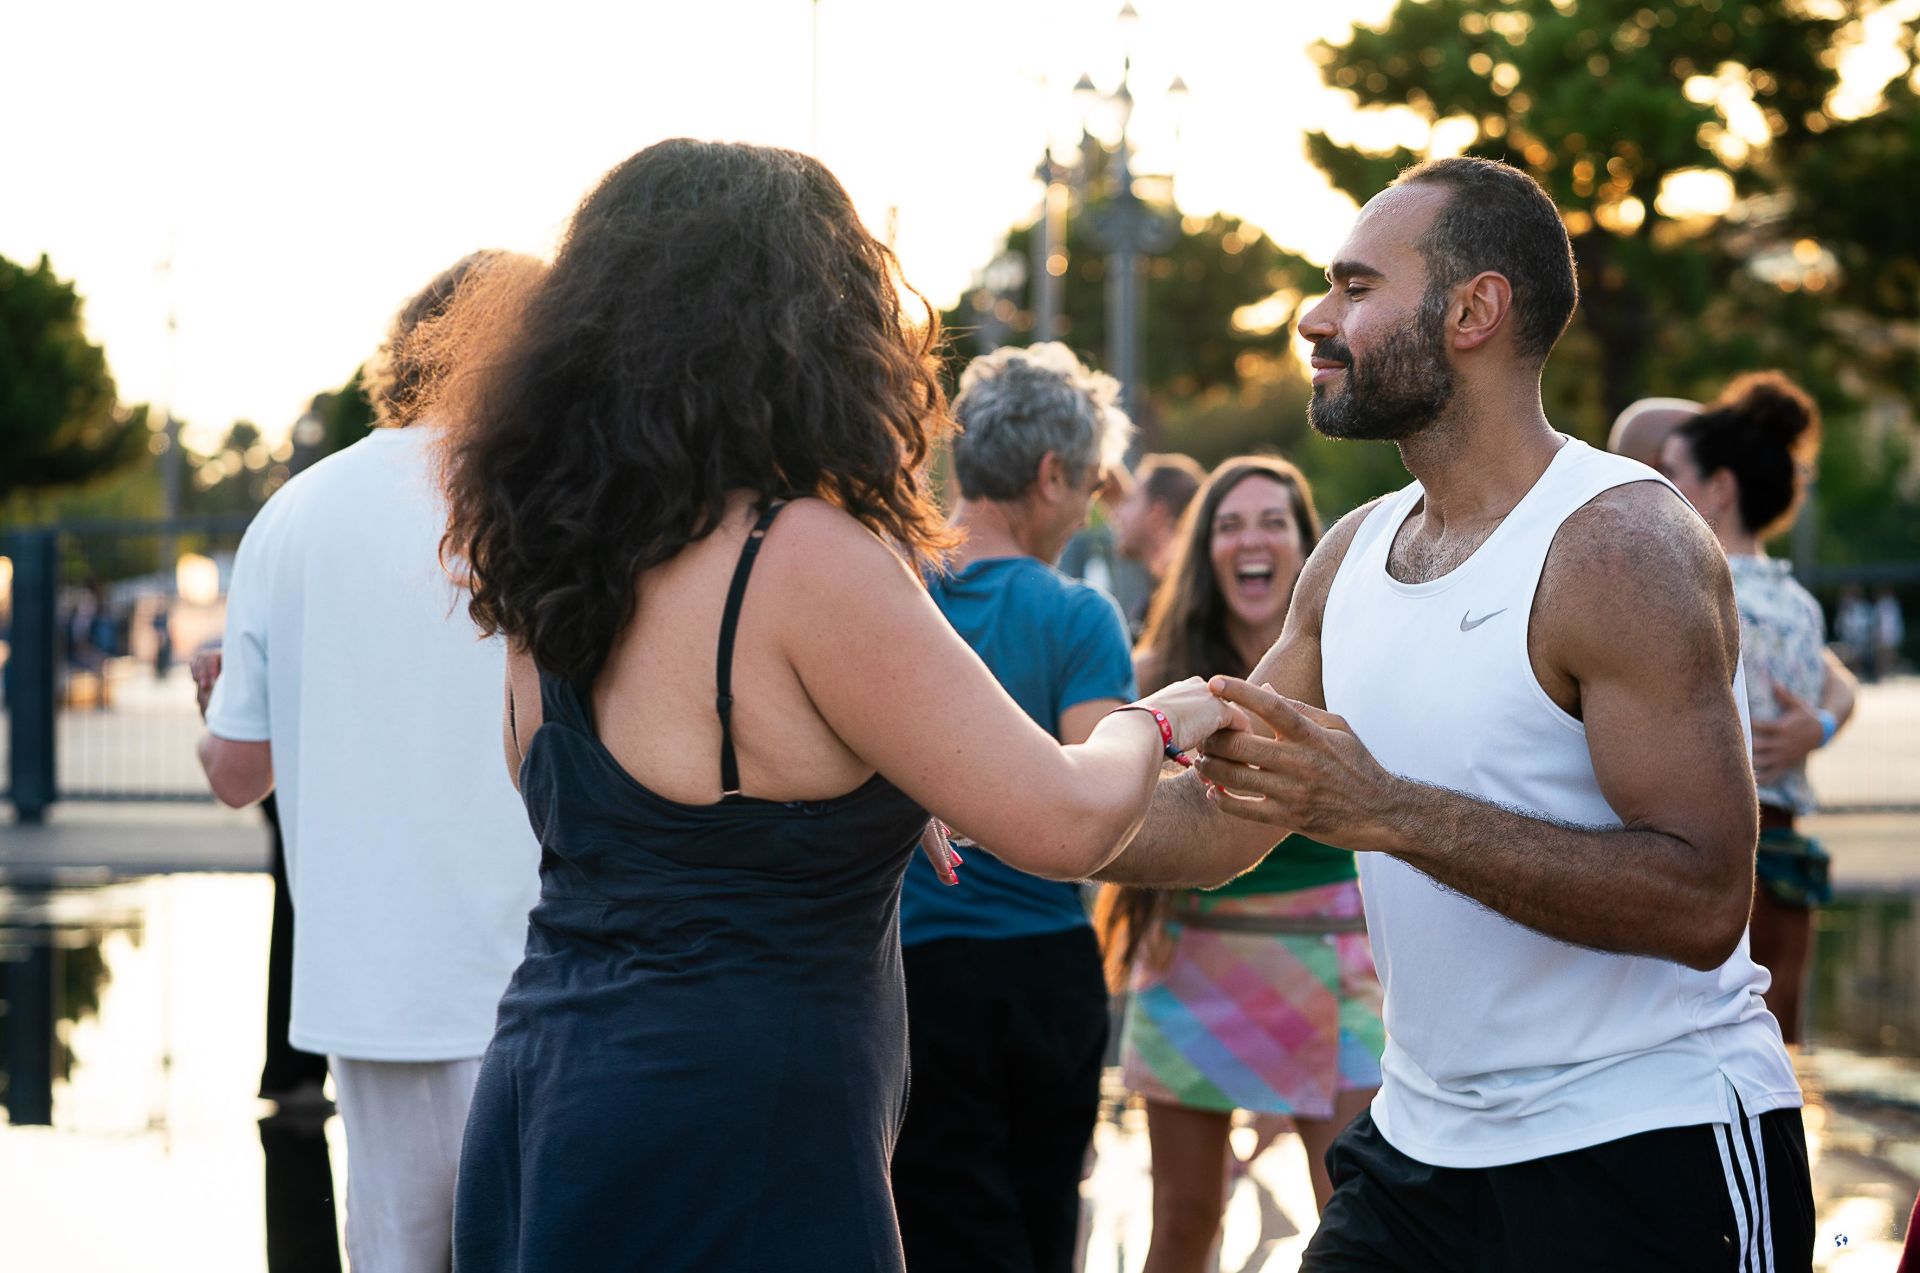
<point>1172,753</point>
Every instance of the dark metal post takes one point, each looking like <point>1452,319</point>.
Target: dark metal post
<point>32,671</point>
<point>1048,242</point>
<point>29,971</point>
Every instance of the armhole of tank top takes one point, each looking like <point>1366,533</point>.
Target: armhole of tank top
<point>1383,518</point>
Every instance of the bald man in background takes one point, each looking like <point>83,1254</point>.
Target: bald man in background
<point>1642,429</point>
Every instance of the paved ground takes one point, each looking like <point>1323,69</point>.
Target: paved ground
<point>157,1127</point>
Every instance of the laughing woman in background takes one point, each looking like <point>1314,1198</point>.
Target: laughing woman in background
<point>1260,995</point>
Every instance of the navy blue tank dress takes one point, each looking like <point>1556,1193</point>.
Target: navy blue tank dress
<point>701,1062</point>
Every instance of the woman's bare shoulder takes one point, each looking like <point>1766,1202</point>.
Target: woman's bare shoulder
<point>825,544</point>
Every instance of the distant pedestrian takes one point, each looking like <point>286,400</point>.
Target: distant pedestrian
<point>1889,633</point>
<point>1744,461</point>
<point>1853,629</point>
<point>352,684</point>
<point>1004,991</point>
<point>1146,523</point>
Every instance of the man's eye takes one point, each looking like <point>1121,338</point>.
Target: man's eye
<point>1353,293</point>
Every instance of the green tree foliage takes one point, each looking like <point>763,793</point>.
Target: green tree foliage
<point>1191,345</point>
<point>60,419</point>
<point>1619,109</point>
<point>345,414</point>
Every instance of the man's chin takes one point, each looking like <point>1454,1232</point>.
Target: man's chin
<point>1328,420</point>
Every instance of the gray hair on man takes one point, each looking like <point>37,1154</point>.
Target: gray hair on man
<point>1015,405</point>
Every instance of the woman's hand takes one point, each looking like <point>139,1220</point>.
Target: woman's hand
<point>1783,744</point>
<point>1195,712</point>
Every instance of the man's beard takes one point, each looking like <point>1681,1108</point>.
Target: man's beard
<point>1400,390</point>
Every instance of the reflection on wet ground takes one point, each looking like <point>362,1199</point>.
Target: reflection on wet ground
<point>158,1143</point>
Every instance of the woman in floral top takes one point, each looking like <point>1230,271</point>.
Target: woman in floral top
<point>1744,462</point>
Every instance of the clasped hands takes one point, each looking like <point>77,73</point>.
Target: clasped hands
<point>1305,771</point>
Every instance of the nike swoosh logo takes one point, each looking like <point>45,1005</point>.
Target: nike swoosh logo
<point>1468,625</point>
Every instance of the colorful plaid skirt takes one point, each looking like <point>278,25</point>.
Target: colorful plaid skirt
<point>1239,1003</point>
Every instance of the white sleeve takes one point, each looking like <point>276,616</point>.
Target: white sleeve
<point>238,709</point>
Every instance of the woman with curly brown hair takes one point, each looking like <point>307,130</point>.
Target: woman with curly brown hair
<point>689,488</point>
<point>1260,995</point>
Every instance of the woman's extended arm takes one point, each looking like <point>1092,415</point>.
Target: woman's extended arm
<point>897,684</point>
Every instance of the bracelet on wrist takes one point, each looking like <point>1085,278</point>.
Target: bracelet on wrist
<point>1829,725</point>
<point>1167,748</point>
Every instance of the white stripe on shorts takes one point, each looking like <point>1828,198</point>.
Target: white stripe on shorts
<point>1752,1214</point>
<point>1766,1207</point>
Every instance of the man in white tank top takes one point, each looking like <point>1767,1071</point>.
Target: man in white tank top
<point>1511,688</point>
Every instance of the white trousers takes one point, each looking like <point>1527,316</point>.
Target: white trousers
<point>404,1122</point>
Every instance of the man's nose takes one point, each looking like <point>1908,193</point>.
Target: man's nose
<point>1317,325</point>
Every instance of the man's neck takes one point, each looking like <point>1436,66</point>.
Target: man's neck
<point>1160,560</point>
<point>1735,541</point>
<point>1481,459</point>
<point>993,529</point>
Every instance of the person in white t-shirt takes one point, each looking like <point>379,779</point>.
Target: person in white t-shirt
<point>1513,690</point>
<point>352,683</point>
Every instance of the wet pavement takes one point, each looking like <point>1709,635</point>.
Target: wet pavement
<point>157,1143</point>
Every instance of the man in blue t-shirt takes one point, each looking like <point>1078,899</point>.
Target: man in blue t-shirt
<point>1006,1003</point>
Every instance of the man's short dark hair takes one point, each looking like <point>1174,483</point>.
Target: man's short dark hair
<point>1498,219</point>
<point>1170,479</point>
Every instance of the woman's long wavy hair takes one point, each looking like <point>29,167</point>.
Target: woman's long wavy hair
<point>716,320</point>
<point>1186,635</point>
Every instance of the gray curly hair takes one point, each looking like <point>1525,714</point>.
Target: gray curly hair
<point>1015,405</point>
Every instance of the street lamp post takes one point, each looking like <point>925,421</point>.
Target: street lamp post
<point>1128,230</point>
<point>1047,247</point>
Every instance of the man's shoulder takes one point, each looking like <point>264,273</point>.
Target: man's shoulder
<point>1636,569</point>
<point>1642,529</point>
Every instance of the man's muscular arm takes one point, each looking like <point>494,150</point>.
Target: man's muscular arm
<point>1636,611</point>
<point>1186,842</point>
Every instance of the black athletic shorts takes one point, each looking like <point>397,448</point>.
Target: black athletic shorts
<point>1717,1196</point>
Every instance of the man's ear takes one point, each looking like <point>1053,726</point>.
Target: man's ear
<point>1051,476</point>
<point>1481,308</point>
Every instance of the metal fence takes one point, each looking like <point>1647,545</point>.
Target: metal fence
<point>98,626</point>
<point>104,616</point>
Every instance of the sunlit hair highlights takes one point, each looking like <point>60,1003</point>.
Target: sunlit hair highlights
<point>717,320</point>
<point>1186,635</point>
<point>1016,405</point>
<point>400,377</point>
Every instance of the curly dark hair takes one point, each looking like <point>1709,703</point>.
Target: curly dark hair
<point>1187,632</point>
<point>717,320</point>
<point>1765,430</point>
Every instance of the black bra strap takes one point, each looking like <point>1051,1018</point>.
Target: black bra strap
<point>723,674</point>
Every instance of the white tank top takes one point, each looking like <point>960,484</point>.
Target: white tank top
<point>1504,1044</point>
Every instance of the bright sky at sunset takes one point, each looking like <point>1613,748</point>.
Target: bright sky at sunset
<point>306,168</point>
